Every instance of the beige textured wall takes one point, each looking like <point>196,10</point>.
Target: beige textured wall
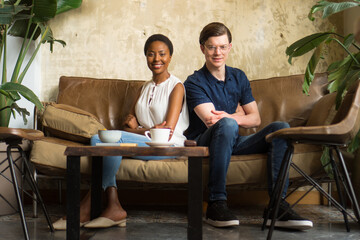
<point>105,38</point>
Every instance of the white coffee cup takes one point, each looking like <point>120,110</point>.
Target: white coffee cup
<point>158,135</point>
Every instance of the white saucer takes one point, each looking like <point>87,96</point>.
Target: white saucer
<point>159,144</point>
<point>107,144</point>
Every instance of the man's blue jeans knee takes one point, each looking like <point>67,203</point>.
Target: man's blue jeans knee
<point>223,141</point>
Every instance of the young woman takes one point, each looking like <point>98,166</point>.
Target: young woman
<point>161,103</point>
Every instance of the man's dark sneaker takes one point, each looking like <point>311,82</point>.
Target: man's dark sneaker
<point>219,215</point>
<point>290,219</point>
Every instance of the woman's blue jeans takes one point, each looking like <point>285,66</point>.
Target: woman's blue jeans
<point>111,164</point>
<point>223,140</point>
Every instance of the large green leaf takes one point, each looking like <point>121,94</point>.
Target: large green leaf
<point>349,39</point>
<point>44,10</point>
<point>47,36</point>
<point>21,111</point>
<point>26,19</point>
<point>338,74</point>
<point>310,69</point>
<point>9,13</point>
<point>18,29</point>
<point>329,8</point>
<point>8,90</point>
<point>11,88</point>
<point>355,143</point>
<point>66,5</point>
<point>340,69</point>
<point>335,65</point>
<point>352,76</point>
<point>306,44</point>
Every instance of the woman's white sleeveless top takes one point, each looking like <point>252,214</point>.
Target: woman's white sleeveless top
<point>152,105</point>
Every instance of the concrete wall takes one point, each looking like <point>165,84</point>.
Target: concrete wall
<point>105,38</point>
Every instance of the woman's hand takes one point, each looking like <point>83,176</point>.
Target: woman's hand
<point>131,121</point>
<point>163,125</point>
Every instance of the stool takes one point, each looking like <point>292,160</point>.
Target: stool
<point>13,137</point>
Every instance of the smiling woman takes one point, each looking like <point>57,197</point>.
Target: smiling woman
<point>160,103</point>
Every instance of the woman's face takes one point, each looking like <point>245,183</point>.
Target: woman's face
<point>158,57</point>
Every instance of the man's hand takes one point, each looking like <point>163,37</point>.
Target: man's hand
<point>217,115</point>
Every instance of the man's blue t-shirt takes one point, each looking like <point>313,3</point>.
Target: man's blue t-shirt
<point>203,87</point>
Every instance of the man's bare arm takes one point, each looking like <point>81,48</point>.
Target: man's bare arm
<point>246,116</point>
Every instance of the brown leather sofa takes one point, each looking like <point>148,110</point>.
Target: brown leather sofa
<point>85,105</point>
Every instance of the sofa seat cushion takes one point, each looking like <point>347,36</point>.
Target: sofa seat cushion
<point>48,154</point>
<point>153,171</point>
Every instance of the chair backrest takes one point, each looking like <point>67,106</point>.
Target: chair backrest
<point>346,122</point>
<point>341,130</point>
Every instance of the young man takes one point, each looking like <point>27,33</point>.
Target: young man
<point>220,101</point>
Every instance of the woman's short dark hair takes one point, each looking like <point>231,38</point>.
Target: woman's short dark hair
<point>161,38</point>
<point>212,30</point>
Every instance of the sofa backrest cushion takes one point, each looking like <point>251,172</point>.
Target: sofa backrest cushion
<point>110,100</point>
<point>71,123</point>
<point>282,99</point>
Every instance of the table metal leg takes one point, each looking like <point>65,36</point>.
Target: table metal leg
<point>73,198</point>
<point>195,198</point>
<point>96,186</point>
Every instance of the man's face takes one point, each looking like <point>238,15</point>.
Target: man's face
<point>216,50</point>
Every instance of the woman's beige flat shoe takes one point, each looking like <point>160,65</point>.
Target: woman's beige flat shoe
<point>102,222</point>
<point>61,224</point>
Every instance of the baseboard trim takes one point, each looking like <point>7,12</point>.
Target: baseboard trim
<point>179,197</point>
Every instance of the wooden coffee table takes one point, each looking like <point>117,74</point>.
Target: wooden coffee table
<point>194,154</point>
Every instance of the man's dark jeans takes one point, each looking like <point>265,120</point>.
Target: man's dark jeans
<point>224,140</point>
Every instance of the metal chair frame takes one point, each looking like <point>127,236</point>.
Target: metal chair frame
<point>340,175</point>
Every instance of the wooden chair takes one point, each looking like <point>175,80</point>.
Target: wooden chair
<point>339,133</point>
<point>13,137</point>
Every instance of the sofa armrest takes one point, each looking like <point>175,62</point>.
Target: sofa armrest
<point>190,143</point>
<point>38,115</point>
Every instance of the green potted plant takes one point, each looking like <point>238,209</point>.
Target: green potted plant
<point>342,73</point>
<point>26,19</point>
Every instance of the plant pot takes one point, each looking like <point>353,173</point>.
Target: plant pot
<point>7,188</point>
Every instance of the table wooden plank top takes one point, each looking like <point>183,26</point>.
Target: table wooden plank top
<point>136,151</point>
